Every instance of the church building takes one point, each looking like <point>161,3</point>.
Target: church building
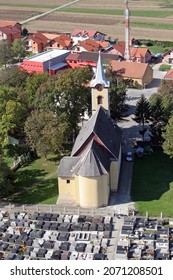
<point>87,177</point>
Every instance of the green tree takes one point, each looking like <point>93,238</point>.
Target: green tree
<point>117,94</point>
<point>168,137</point>
<point>73,95</point>
<point>6,179</point>
<point>142,114</point>
<point>45,96</point>
<point>11,120</point>
<point>18,49</point>
<point>13,77</point>
<point>33,82</point>
<point>6,55</point>
<point>45,132</point>
<point>158,119</point>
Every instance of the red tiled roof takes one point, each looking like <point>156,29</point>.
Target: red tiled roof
<point>73,56</point>
<point>59,41</point>
<point>120,47</point>
<point>4,23</point>
<point>62,42</point>
<point>87,47</point>
<point>65,37</point>
<point>169,75</point>
<point>103,44</point>
<point>138,52</point>
<point>39,38</point>
<point>129,69</point>
<point>89,33</point>
<point>9,30</point>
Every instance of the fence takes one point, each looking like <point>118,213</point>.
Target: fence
<point>31,208</point>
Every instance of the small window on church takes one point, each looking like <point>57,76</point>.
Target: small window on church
<point>68,181</point>
<point>100,100</point>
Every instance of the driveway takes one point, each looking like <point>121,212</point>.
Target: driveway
<point>121,200</point>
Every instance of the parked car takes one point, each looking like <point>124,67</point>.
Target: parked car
<point>129,156</point>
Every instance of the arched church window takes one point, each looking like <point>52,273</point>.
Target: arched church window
<point>99,99</point>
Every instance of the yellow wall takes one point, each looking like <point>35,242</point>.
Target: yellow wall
<point>148,77</point>
<point>105,94</point>
<point>94,191</point>
<point>114,173</point>
<point>65,188</point>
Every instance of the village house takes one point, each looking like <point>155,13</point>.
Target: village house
<point>168,56</point>
<point>62,42</point>
<point>37,43</point>
<point>142,55</point>
<point>141,74</point>
<point>137,54</point>
<point>81,35</point>
<point>10,30</point>
<point>169,75</point>
<point>87,45</point>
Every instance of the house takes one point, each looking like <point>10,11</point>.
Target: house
<point>90,58</point>
<point>142,55</point>
<point>168,56</point>
<point>137,54</point>
<point>9,33</point>
<point>87,177</point>
<point>117,49</point>
<point>80,35</point>
<point>87,45</point>
<point>37,43</point>
<point>141,74</point>
<point>49,61</point>
<point>169,75</point>
<point>6,23</point>
<point>62,42</point>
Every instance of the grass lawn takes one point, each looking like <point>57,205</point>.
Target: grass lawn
<point>152,184</point>
<point>138,13</point>
<point>37,182</point>
<point>153,25</point>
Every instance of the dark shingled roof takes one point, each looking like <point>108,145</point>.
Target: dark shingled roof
<point>97,144</point>
<point>93,56</point>
<point>66,166</point>
<point>104,128</point>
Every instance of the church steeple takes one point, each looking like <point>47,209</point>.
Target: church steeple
<point>100,88</point>
<point>100,77</point>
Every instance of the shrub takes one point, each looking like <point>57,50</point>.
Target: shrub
<point>164,67</point>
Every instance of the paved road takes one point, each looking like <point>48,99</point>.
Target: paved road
<point>46,13</point>
<point>121,200</point>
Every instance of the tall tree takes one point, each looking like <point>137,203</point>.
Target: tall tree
<point>18,49</point>
<point>6,55</point>
<point>13,77</point>
<point>33,82</point>
<point>142,114</point>
<point>168,137</point>
<point>6,179</point>
<point>158,119</point>
<point>117,94</point>
<point>73,94</point>
<point>45,132</point>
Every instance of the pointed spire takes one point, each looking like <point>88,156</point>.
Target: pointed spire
<point>100,77</point>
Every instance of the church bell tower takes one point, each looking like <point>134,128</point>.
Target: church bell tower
<point>100,88</point>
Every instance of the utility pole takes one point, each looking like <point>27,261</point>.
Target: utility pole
<point>127,32</point>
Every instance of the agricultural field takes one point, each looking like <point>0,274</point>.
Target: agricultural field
<point>150,19</point>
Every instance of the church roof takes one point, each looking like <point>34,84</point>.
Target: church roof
<point>96,145</point>
<point>100,77</point>
<point>102,127</point>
